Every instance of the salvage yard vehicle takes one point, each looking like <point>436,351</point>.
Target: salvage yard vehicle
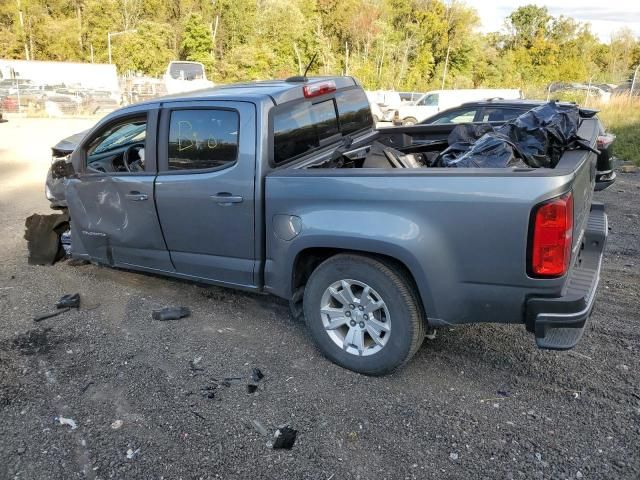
<point>498,111</point>
<point>435,101</point>
<point>285,187</point>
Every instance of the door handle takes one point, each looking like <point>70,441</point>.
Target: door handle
<point>226,198</point>
<point>137,196</point>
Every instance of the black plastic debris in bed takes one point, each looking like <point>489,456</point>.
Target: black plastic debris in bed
<point>537,138</point>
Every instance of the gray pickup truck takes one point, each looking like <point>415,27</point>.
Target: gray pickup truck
<point>270,187</point>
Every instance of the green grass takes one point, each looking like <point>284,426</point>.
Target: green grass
<point>622,117</point>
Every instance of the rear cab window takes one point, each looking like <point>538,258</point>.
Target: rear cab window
<point>308,125</point>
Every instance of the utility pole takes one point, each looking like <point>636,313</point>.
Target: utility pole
<point>24,34</point>
<point>633,82</point>
<point>446,63</point>
<point>115,34</point>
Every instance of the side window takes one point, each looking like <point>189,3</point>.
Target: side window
<point>457,116</point>
<point>119,147</point>
<point>203,139</point>
<point>430,100</point>
<point>303,127</point>
<point>497,114</point>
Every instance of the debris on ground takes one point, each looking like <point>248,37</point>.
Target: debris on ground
<point>117,424</point>
<point>284,437</point>
<point>132,453</point>
<point>69,300</point>
<point>453,456</point>
<point>42,233</point>
<point>171,313</point>
<point>193,364</point>
<point>66,421</point>
<point>44,316</point>
<point>65,242</point>
<point>66,303</point>
<point>251,388</point>
<point>259,428</point>
<point>257,375</point>
<point>77,262</point>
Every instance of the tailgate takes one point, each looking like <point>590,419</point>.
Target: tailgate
<point>584,162</point>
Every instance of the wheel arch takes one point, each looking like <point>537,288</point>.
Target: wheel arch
<point>309,258</point>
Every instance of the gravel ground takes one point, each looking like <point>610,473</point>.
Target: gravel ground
<point>476,402</point>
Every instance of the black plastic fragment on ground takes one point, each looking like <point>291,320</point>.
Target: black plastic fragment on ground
<point>284,437</point>
<point>66,303</point>
<point>42,233</point>
<point>537,138</point>
<point>256,375</point>
<point>170,313</point>
<point>70,300</point>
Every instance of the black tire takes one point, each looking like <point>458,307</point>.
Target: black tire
<point>409,121</point>
<point>394,287</point>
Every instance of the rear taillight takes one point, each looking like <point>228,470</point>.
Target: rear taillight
<point>320,88</point>
<point>605,140</point>
<point>551,238</point>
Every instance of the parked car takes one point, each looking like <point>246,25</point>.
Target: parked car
<point>280,187</point>
<point>500,111</point>
<point>385,101</point>
<point>433,102</point>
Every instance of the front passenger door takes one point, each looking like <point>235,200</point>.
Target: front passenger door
<point>111,200</point>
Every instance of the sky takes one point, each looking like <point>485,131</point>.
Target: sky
<point>604,16</point>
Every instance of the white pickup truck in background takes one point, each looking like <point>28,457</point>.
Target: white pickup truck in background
<point>435,101</point>
<point>183,76</point>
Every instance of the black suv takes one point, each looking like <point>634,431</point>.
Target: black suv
<point>500,111</point>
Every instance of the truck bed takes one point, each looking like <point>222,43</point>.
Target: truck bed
<point>461,232</point>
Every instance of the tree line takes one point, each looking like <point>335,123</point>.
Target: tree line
<point>410,45</point>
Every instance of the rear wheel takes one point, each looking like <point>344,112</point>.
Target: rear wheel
<point>409,121</point>
<point>363,314</point>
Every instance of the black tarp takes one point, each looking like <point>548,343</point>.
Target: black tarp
<point>537,138</point>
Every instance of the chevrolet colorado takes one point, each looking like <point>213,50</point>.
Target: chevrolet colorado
<point>271,187</point>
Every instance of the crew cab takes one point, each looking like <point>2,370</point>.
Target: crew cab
<point>271,187</point>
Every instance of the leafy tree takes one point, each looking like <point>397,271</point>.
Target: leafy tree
<point>197,42</point>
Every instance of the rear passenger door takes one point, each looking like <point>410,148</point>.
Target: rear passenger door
<point>205,189</point>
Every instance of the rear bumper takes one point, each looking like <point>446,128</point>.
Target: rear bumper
<point>558,323</point>
<point>604,180</point>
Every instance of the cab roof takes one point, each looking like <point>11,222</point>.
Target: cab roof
<point>277,91</point>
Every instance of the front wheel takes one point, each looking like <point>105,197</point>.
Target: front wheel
<point>363,314</point>
<point>409,121</point>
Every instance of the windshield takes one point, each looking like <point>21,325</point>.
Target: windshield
<point>186,71</point>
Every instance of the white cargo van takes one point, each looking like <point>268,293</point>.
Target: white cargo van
<point>435,101</point>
